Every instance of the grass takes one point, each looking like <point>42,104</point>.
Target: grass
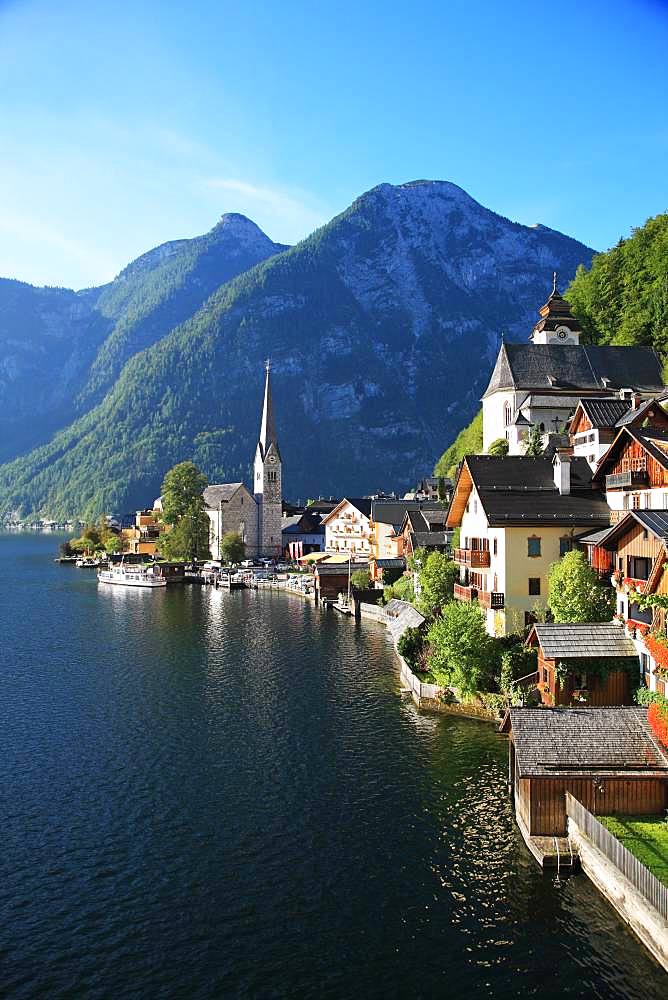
<point>646,837</point>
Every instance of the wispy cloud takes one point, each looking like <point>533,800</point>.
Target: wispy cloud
<point>287,215</point>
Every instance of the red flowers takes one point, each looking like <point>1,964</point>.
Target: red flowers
<point>657,716</point>
<point>658,649</point>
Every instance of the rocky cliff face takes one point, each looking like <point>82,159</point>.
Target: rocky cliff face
<point>382,328</point>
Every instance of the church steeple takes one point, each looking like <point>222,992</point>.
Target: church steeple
<point>556,325</point>
<point>267,478</point>
<point>268,425</point>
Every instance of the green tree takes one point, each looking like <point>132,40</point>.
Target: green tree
<point>182,490</point>
<point>187,540</point>
<point>232,547</point>
<point>411,645</point>
<point>402,590</point>
<point>113,544</point>
<point>575,593</point>
<point>437,579</point>
<point>360,579</point>
<point>462,654</point>
<point>533,444</point>
<point>499,446</point>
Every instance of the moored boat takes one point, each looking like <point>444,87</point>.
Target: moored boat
<point>131,576</point>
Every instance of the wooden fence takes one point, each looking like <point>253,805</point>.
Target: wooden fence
<point>422,690</point>
<point>647,884</point>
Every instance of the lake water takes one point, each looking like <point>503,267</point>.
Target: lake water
<point>223,795</point>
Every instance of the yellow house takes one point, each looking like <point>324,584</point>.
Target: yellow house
<point>517,515</point>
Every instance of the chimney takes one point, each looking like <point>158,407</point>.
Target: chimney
<point>636,400</point>
<point>562,471</point>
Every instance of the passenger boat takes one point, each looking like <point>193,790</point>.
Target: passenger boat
<point>131,576</point>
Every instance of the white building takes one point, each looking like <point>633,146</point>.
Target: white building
<point>541,383</point>
<point>348,528</point>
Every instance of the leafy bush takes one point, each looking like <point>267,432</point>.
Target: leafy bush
<point>411,646</point>
<point>360,579</point>
<point>462,653</point>
<point>516,662</point>
<point>402,590</point>
<point>437,580</point>
<point>643,696</point>
<point>500,447</point>
<point>575,593</point>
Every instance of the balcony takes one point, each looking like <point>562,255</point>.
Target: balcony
<point>626,480</point>
<point>492,600</point>
<point>463,593</point>
<point>476,558</point>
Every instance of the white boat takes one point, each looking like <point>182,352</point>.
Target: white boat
<point>87,562</point>
<point>131,576</point>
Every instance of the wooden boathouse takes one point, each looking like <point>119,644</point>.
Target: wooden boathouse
<point>607,758</point>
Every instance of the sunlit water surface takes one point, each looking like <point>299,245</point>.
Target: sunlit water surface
<point>224,795</point>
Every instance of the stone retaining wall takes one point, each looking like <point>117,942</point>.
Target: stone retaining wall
<point>646,923</point>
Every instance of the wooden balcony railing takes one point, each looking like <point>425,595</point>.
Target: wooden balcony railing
<point>490,599</point>
<point>626,480</point>
<point>463,593</point>
<point>472,557</point>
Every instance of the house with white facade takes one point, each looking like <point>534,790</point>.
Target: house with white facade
<point>518,515</point>
<point>348,528</point>
<point>541,383</point>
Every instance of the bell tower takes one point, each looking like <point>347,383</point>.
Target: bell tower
<point>267,479</point>
<point>556,325</point>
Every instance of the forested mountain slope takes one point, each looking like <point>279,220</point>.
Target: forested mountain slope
<point>61,350</point>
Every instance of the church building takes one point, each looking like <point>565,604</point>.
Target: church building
<point>256,515</point>
<point>541,383</point>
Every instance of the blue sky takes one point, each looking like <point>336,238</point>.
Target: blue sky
<point>123,125</point>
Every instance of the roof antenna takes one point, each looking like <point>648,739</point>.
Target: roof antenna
<point>267,365</point>
<point>554,282</point>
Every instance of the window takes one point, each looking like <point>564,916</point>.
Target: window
<point>534,586</point>
<point>495,546</point>
<point>565,545</point>
<point>625,502</point>
<point>533,546</point>
<point>636,501</point>
<point>507,414</point>
<point>542,428</point>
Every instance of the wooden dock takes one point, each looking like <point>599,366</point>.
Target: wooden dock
<point>550,852</point>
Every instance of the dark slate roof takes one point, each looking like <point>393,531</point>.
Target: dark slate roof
<point>570,641</point>
<point>595,537</point>
<point>538,402</point>
<point>220,493</point>
<point>575,740</point>
<point>639,412</point>
<point>606,412</point>
<point>391,563</point>
<point>433,518</point>
<point>338,569</point>
<point>394,511</point>
<point>516,489</point>
<point>574,367</point>
<point>361,504</point>
<point>428,539</point>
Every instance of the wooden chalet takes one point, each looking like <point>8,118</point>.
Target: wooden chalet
<point>588,664</point>
<point>634,471</point>
<point>607,758</point>
<point>638,548</point>
<point>596,422</point>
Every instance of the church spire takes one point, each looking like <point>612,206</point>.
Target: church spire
<point>268,426</point>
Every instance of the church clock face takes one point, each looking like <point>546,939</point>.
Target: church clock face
<point>272,460</point>
<point>562,332</point>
